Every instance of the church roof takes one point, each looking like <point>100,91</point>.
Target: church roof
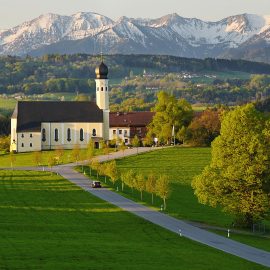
<point>30,114</point>
<point>131,119</point>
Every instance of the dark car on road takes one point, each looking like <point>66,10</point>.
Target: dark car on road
<point>96,184</point>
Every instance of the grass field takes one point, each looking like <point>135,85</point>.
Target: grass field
<point>48,223</point>
<point>27,159</point>
<point>182,164</point>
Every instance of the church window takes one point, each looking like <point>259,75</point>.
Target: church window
<point>101,88</point>
<point>68,134</point>
<point>56,135</point>
<point>31,135</point>
<point>31,144</point>
<point>43,135</point>
<point>94,133</point>
<point>22,144</point>
<point>22,135</point>
<point>81,134</point>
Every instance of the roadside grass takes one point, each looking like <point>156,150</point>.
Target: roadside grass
<point>49,223</point>
<point>256,240</point>
<point>27,159</point>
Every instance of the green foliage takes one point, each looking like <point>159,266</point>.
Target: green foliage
<point>238,176</point>
<point>4,144</point>
<point>163,188</point>
<point>169,112</point>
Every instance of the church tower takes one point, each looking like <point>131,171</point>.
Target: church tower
<point>102,96</point>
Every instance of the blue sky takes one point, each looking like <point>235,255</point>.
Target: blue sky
<point>14,12</point>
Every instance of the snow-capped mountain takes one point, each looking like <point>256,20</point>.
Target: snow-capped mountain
<point>171,34</point>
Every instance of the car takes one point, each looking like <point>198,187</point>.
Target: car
<point>96,184</point>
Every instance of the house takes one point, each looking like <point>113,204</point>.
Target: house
<point>125,126</point>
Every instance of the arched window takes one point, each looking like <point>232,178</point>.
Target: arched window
<point>43,135</point>
<point>101,88</point>
<point>31,144</point>
<point>22,144</point>
<point>68,134</point>
<point>56,135</point>
<point>81,134</point>
<point>94,133</point>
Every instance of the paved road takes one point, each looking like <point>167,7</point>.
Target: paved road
<point>165,221</point>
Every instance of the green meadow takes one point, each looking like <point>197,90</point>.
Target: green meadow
<point>48,223</point>
<point>28,159</point>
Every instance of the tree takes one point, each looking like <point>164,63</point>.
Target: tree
<point>37,157</point>
<point>163,188</point>
<point>12,158</point>
<point>136,142</point>
<point>59,154</point>
<point>129,178</point>
<point>123,147</point>
<point>237,178</point>
<point>150,185</point>
<point>204,128</point>
<point>95,164</point>
<point>4,143</point>
<point>112,171</point>
<point>170,113</point>
<point>140,184</point>
<point>90,152</point>
<point>51,161</point>
<point>76,151</point>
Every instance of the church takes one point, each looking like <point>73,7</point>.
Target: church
<point>39,125</point>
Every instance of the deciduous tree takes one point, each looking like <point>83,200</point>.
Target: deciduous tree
<point>163,188</point>
<point>238,177</point>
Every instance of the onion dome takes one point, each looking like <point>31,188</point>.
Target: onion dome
<point>102,71</point>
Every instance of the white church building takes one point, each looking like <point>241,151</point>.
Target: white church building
<point>39,125</point>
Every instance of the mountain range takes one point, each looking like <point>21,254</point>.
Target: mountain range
<point>245,36</point>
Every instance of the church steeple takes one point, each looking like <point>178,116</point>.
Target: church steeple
<point>102,95</point>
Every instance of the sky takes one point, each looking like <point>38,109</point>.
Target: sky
<point>14,12</point>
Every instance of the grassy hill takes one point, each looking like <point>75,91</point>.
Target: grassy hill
<point>48,223</point>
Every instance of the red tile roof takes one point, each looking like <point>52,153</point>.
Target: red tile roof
<point>131,119</point>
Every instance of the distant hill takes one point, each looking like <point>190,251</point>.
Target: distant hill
<point>245,36</point>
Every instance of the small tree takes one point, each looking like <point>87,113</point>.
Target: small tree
<point>95,165</point>
<point>51,161</point>
<point>150,185</point>
<point>136,142</point>
<point>76,153</point>
<point>131,179</point>
<point>12,159</point>
<point>123,147</point>
<point>163,188</point>
<point>37,158</point>
<point>112,171</point>
<point>140,184</point>
<point>59,154</point>
<point>90,152</point>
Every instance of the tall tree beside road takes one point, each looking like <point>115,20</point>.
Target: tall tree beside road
<point>238,177</point>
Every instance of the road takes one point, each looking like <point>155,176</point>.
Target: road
<point>172,224</point>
